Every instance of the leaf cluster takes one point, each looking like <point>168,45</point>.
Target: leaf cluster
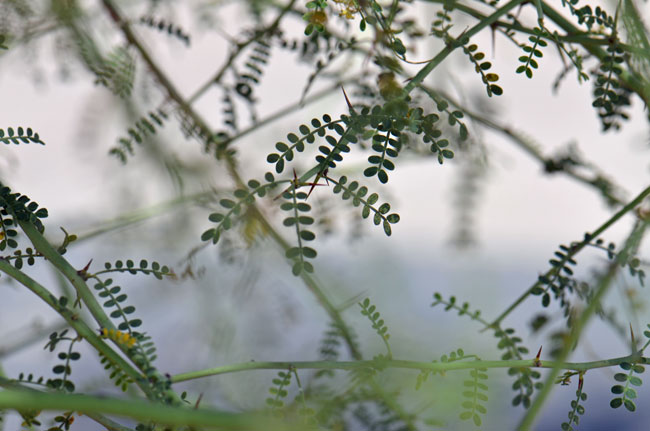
<point>482,67</point>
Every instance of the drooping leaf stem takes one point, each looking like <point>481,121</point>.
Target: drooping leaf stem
<point>581,322</point>
<point>577,247</point>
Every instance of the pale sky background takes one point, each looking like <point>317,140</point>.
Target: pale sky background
<point>522,215</point>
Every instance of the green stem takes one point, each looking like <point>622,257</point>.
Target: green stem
<point>107,423</point>
<point>83,291</point>
<point>402,364</point>
<point>139,410</point>
<point>574,250</point>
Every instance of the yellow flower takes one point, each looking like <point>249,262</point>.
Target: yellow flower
<point>350,8</point>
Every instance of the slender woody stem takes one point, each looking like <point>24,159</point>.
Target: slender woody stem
<point>574,250</point>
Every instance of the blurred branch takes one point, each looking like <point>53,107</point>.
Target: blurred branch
<point>598,181</point>
<point>207,133</point>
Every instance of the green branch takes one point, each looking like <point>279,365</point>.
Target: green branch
<point>141,411</point>
<point>574,250</point>
<point>403,364</point>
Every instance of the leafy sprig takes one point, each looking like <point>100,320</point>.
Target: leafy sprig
<point>21,257</point>
<point>588,16</point>
<point>387,147</point>
<point>370,311</point>
<point>528,61</point>
<point>481,67</point>
<point>19,207</point>
<point>139,346</point>
<point>296,206</point>
<point>577,407</point>
<point>279,390</point>
<point>156,269</point>
<point>114,299</point>
<point>611,97</point>
<point>475,395</point>
<point>145,127</point>
<point>64,369</point>
<point>358,195</point>
<point>286,152</point>
<point>627,392</point>
<point>254,65</point>
<point>20,135</point>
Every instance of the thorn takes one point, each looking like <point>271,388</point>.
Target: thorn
<point>350,107</point>
<point>315,183</point>
<point>581,380</point>
<point>83,273</point>
<point>537,362</point>
<point>632,337</point>
<point>198,401</point>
